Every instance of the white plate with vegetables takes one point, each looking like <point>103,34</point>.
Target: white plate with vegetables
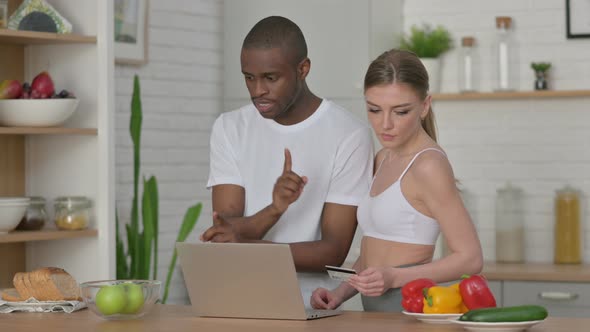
<point>495,327</point>
<point>504,319</point>
<point>432,318</point>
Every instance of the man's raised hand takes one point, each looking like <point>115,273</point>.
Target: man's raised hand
<point>288,186</point>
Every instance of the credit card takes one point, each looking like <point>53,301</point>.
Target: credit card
<point>339,273</point>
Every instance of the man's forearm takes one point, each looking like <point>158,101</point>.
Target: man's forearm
<point>314,256</point>
<point>256,226</point>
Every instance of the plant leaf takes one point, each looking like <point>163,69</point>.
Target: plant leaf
<point>131,249</point>
<point>122,269</point>
<point>190,220</point>
<point>154,199</point>
<point>135,132</point>
<point>426,42</point>
<point>140,258</point>
<point>149,213</point>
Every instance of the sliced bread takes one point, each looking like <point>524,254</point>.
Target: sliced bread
<point>23,289</point>
<point>60,285</point>
<point>45,284</point>
<point>40,285</point>
<point>11,295</point>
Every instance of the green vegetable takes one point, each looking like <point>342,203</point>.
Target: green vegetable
<point>506,314</point>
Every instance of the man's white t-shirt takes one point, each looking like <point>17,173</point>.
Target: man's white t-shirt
<point>332,148</point>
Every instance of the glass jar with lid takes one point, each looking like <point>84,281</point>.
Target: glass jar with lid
<point>35,217</point>
<point>72,213</point>
<point>509,225</point>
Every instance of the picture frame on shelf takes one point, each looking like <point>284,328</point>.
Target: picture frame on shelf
<point>577,18</point>
<point>131,31</point>
<point>3,14</point>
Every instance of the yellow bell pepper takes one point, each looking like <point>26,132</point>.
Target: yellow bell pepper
<point>464,308</point>
<point>443,300</point>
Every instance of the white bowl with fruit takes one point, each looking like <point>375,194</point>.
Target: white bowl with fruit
<point>120,299</point>
<point>34,105</point>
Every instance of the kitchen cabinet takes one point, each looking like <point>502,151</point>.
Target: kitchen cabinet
<point>75,159</point>
<point>564,299</point>
<point>561,288</point>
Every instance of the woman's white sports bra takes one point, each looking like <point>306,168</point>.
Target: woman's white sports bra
<point>389,216</point>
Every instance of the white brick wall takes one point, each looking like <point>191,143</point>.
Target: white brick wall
<point>538,145</point>
<point>181,89</point>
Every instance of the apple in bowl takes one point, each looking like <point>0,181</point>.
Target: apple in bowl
<point>120,299</point>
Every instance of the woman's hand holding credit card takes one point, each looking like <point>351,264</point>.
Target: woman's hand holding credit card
<point>339,273</point>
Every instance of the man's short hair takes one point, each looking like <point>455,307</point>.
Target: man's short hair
<point>277,31</point>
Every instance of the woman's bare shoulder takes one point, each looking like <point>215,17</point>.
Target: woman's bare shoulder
<point>432,164</point>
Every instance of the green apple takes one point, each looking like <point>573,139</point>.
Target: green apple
<point>135,298</point>
<point>111,300</point>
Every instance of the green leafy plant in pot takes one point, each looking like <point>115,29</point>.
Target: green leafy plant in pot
<point>428,44</point>
<point>541,71</point>
<point>136,262</point>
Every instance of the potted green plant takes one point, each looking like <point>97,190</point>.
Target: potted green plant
<point>541,69</point>
<point>428,44</point>
<point>134,261</point>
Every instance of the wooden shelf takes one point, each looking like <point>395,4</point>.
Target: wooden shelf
<point>47,131</point>
<point>32,37</point>
<point>511,95</point>
<point>44,235</point>
<point>537,272</point>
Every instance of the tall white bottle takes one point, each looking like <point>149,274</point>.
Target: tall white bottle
<point>504,54</point>
<point>468,66</point>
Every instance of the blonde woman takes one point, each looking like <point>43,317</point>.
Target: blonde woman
<point>413,196</point>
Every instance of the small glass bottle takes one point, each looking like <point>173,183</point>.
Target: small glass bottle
<point>467,65</point>
<point>72,213</point>
<point>35,217</point>
<point>567,227</point>
<point>509,225</point>
<point>504,49</point>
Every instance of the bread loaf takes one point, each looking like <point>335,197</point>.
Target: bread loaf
<point>11,295</point>
<point>44,284</point>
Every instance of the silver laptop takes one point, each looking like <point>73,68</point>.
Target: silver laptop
<point>244,280</point>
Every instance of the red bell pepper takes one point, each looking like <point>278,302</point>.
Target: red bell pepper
<point>413,296</point>
<point>476,293</point>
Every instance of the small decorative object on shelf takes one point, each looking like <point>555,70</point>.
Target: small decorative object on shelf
<point>38,15</point>
<point>541,69</point>
<point>3,13</point>
<point>429,44</point>
<point>467,65</point>
<point>505,55</point>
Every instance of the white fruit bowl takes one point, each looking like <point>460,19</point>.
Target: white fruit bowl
<point>12,210</point>
<point>36,112</point>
